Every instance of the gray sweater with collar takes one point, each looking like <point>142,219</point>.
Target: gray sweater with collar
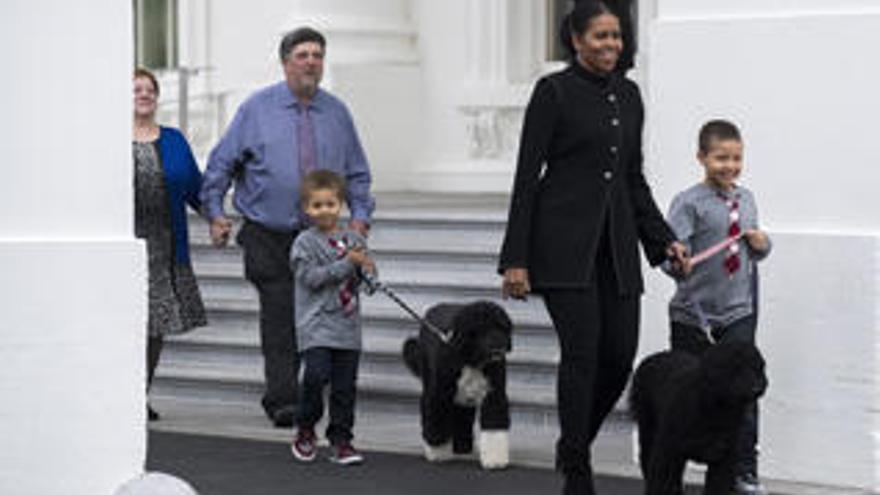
<point>700,219</point>
<point>326,295</point>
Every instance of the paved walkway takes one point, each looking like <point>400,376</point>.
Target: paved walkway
<point>223,466</point>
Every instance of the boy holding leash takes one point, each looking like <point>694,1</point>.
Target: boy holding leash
<point>325,260</point>
<point>716,299</point>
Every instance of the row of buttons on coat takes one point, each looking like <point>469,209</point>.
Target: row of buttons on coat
<point>608,175</point>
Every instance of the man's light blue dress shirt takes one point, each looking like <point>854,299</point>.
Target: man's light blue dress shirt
<point>263,134</point>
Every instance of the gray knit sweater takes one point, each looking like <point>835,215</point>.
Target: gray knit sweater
<point>700,219</point>
<point>326,299</point>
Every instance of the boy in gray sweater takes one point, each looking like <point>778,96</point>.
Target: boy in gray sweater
<point>717,298</point>
<point>325,260</point>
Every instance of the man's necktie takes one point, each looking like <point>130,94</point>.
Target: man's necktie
<point>305,134</point>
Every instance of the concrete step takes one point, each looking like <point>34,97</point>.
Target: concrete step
<point>239,377</point>
<point>228,296</point>
<point>209,347</point>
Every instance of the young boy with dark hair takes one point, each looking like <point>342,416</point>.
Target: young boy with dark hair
<point>717,299</point>
<point>325,260</point>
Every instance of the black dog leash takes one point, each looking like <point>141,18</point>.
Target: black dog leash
<point>373,285</point>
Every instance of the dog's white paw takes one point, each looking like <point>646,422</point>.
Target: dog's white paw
<point>494,449</point>
<point>438,453</point>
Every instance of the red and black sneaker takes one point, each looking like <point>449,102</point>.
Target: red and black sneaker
<point>304,445</point>
<point>346,455</point>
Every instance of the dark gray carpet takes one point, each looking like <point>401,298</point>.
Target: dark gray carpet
<point>220,466</point>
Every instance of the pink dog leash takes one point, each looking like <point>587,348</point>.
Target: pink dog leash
<point>717,248</point>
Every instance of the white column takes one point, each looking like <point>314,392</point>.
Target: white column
<point>73,293</point>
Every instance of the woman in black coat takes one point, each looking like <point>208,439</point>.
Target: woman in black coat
<point>579,208</point>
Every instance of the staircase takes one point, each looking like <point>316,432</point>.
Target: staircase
<point>429,248</point>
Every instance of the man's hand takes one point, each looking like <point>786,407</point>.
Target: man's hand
<point>360,226</point>
<point>515,283</point>
<point>221,227</point>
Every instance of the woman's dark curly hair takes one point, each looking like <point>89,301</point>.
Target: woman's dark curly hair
<point>578,20</point>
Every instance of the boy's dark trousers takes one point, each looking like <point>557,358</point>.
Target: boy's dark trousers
<point>693,339</point>
<point>338,367</point>
<point>267,267</point>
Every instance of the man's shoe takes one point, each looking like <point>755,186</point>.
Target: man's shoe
<point>283,417</point>
<point>748,484</point>
<point>304,446</point>
<point>346,455</point>
<point>152,415</point>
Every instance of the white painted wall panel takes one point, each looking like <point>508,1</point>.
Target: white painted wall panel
<point>667,9</point>
<point>58,91</point>
<point>73,402</point>
<point>73,296</point>
<point>803,91</point>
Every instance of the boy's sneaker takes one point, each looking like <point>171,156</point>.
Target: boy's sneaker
<point>748,484</point>
<point>345,454</point>
<point>304,447</point>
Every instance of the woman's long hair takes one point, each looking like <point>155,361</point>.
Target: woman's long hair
<point>578,20</point>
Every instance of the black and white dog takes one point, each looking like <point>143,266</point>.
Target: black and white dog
<point>460,377</point>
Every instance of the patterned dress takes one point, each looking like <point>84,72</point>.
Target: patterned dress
<point>175,305</point>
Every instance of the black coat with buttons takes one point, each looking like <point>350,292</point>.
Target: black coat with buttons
<point>580,166</point>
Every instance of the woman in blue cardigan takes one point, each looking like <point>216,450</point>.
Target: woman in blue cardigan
<point>166,179</point>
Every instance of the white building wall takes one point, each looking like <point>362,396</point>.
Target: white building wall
<point>798,79</point>
<point>72,298</point>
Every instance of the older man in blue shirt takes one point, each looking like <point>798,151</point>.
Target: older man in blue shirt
<point>279,134</point>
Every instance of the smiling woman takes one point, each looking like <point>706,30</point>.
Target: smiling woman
<point>559,42</point>
<point>166,180</point>
<point>579,209</point>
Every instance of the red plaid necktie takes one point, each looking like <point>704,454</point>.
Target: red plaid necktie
<point>731,260</point>
<point>347,293</point>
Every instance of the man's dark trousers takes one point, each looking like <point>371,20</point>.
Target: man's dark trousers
<point>267,266</point>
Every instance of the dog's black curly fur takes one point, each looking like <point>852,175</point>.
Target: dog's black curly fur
<point>691,408</point>
<point>481,336</point>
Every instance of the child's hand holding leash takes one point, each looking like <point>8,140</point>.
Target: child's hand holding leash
<point>757,239</point>
<point>358,256</point>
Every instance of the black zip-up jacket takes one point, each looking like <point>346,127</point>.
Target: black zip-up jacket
<point>580,166</point>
